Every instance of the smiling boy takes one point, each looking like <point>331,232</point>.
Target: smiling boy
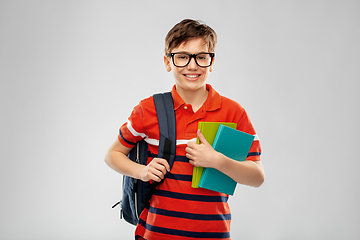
<point>176,210</point>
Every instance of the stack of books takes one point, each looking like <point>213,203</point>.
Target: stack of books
<point>227,140</point>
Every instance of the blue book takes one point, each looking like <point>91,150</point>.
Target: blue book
<point>234,144</point>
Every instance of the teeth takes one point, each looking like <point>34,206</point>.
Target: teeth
<point>192,76</point>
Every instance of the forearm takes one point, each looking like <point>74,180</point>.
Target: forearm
<point>122,164</point>
<point>116,158</point>
<point>249,173</point>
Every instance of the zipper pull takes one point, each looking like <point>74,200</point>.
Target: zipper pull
<point>121,211</point>
<point>116,204</point>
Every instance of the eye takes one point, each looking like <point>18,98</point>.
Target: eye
<point>202,57</point>
<point>182,56</point>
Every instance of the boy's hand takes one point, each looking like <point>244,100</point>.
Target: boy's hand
<point>201,155</point>
<point>155,170</point>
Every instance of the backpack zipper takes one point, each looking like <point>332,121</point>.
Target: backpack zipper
<point>137,160</point>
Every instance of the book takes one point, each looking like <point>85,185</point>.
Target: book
<point>234,144</point>
<point>209,130</point>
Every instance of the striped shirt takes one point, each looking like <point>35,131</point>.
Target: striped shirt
<point>176,210</point>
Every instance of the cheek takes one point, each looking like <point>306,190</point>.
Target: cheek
<point>177,71</point>
<point>206,71</point>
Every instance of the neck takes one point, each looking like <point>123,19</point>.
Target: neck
<point>195,98</point>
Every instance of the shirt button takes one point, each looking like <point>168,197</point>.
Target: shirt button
<point>185,107</point>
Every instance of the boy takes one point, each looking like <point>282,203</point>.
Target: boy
<point>176,210</point>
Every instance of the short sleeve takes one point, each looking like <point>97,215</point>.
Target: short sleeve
<point>245,125</point>
<point>133,130</point>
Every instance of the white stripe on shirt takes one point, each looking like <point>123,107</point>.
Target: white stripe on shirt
<point>133,132</point>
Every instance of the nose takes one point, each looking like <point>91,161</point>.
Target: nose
<point>192,64</point>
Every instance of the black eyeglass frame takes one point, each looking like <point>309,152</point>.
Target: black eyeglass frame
<point>212,55</point>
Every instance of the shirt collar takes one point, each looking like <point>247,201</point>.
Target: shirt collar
<point>212,102</point>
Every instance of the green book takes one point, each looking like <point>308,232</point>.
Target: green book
<point>209,130</point>
<point>234,144</point>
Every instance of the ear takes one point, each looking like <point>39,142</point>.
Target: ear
<point>211,67</point>
<point>167,64</point>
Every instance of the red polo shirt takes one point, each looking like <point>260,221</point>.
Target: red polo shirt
<point>177,210</point>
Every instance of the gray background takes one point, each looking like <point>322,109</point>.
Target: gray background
<point>71,72</point>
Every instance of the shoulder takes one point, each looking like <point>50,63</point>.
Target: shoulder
<point>146,102</point>
<point>230,102</point>
<point>142,112</point>
<point>216,101</point>
<point>231,106</point>
<point>146,113</point>
<point>239,115</point>
<point>145,106</point>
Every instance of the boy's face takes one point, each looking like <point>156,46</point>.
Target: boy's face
<point>191,77</point>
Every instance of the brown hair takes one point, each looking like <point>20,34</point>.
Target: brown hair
<point>187,29</point>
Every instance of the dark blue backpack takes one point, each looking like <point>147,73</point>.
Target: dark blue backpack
<point>136,193</point>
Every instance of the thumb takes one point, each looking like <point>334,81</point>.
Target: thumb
<point>202,138</point>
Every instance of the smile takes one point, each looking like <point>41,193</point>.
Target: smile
<point>192,76</point>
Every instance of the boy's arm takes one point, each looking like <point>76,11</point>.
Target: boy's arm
<point>116,158</point>
<point>249,173</point>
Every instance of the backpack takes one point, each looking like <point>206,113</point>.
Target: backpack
<point>136,193</point>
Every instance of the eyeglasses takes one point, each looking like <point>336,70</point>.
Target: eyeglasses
<point>183,59</point>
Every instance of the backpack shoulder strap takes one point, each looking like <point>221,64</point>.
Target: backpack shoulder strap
<point>167,126</point>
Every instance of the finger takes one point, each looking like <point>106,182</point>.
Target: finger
<point>151,174</point>
<point>189,150</point>
<point>167,166</point>
<point>159,170</point>
<point>157,175</point>
<point>191,144</point>
<point>154,177</point>
<point>201,137</point>
<point>163,164</point>
<point>192,162</point>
